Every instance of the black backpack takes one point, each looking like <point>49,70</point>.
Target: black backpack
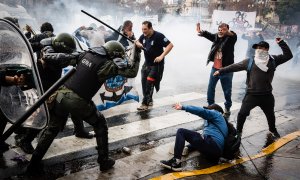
<point>232,142</point>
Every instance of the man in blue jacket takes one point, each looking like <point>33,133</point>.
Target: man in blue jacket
<point>210,143</point>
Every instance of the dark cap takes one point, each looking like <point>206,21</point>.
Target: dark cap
<point>261,44</point>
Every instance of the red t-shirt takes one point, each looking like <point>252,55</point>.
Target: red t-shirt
<point>218,60</point>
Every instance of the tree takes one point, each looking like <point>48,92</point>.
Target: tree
<point>288,12</point>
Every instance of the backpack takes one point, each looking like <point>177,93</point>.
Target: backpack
<point>232,142</point>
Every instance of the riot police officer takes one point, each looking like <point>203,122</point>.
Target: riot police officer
<point>75,97</point>
<point>57,54</point>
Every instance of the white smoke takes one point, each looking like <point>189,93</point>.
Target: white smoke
<point>185,64</point>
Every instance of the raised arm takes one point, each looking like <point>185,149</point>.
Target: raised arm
<point>287,53</point>
<point>59,59</point>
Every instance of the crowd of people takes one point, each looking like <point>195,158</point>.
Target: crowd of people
<point>105,58</point>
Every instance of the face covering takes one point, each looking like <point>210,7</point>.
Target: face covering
<point>261,59</point>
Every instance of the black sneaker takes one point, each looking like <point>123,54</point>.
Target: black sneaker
<point>227,113</point>
<point>3,147</point>
<point>275,134</point>
<point>171,164</point>
<point>25,146</point>
<point>106,164</point>
<point>239,134</point>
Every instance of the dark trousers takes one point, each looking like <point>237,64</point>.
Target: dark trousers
<point>149,78</point>
<point>226,83</point>
<point>265,102</point>
<point>206,145</point>
<point>69,102</point>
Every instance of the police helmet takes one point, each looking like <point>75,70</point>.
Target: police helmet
<point>114,49</point>
<point>64,43</point>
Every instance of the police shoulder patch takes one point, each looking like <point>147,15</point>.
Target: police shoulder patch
<point>166,39</point>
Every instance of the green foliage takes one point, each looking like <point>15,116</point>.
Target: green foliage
<point>288,11</point>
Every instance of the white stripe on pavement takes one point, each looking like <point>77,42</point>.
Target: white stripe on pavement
<point>132,107</point>
<point>169,100</point>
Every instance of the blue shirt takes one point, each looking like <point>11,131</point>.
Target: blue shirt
<point>210,128</point>
<point>154,46</point>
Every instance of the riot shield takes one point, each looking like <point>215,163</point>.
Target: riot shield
<point>16,59</point>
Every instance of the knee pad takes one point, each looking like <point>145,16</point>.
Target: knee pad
<point>99,123</point>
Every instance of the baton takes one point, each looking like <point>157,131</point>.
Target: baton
<point>109,27</point>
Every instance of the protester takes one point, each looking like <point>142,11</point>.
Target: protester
<point>210,143</point>
<point>35,41</point>
<point>126,30</point>
<point>222,54</point>
<point>259,82</point>
<point>153,43</point>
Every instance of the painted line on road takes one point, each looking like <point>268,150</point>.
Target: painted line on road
<point>159,102</point>
<point>266,151</point>
<point>169,100</point>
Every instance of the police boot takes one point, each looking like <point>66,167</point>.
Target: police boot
<point>101,131</point>
<point>106,164</point>
<point>3,147</point>
<point>25,145</point>
<point>80,131</point>
<point>35,169</point>
<point>25,142</point>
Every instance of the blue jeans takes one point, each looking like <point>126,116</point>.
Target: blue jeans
<point>205,145</point>
<point>226,83</point>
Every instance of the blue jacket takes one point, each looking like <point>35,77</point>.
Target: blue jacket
<point>210,128</point>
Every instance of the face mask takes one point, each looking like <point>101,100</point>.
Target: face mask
<point>261,59</point>
<point>261,54</point>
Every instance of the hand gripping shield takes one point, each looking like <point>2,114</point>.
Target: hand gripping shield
<point>16,59</point>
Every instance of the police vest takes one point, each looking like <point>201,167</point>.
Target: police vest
<point>85,81</point>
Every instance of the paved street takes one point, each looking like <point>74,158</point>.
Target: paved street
<point>150,136</point>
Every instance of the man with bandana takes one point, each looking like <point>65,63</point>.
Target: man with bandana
<point>156,46</point>
<point>259,82</point>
